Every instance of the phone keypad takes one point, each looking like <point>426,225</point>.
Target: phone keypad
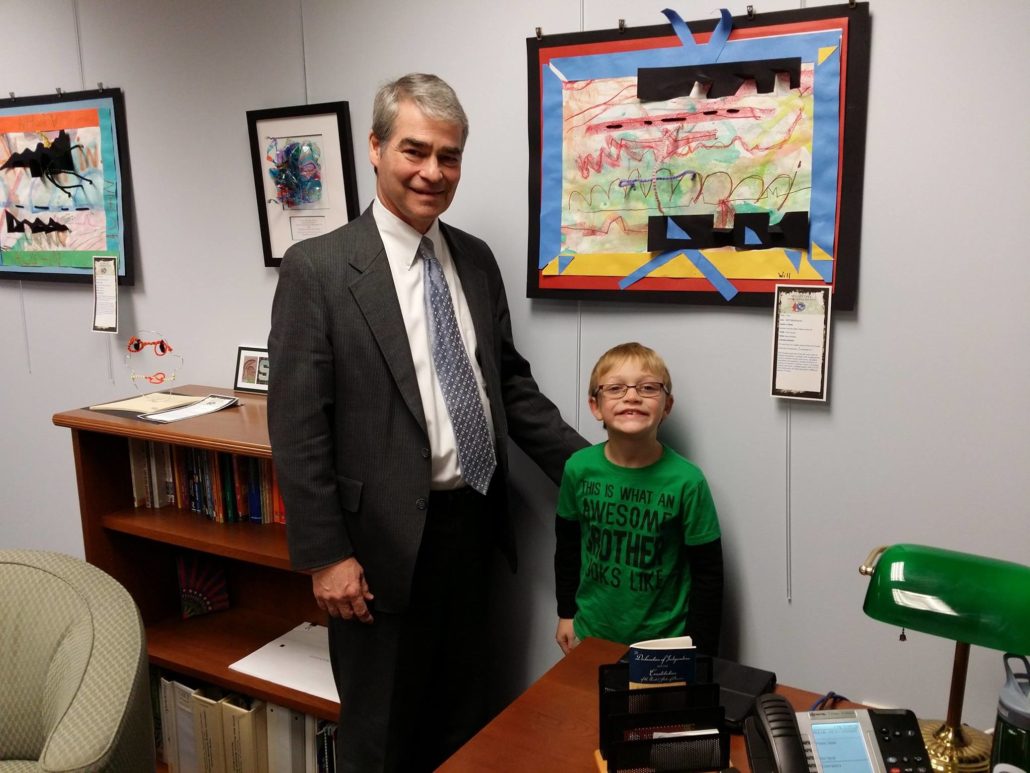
<point>901,743</point>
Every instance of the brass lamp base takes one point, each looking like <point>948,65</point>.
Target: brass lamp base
<point>956,750</point>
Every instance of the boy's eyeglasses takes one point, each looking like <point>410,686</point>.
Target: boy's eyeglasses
<point>649,389</point>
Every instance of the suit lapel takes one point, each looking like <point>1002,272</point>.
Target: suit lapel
<point>376,296</point>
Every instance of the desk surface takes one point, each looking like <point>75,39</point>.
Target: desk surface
<point>552,726</point>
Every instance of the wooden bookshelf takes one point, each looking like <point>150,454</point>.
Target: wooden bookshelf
<point>138,546</point>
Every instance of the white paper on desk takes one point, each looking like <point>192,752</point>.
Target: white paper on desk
<point>298,659</point>
<point>209,404</point>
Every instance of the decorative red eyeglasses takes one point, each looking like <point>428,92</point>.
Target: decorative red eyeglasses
<point>161,346</point>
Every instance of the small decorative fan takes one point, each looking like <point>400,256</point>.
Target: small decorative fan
<point>202,586</point>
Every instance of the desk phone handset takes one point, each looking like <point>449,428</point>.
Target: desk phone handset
<point>773,738</point>
<point>842,740</point>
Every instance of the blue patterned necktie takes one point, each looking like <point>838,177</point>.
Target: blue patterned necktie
<point>457,380</point>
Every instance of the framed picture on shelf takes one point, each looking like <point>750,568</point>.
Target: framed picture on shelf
<point>251,370</point>
<point>303,173</point>
<point>65,186</point>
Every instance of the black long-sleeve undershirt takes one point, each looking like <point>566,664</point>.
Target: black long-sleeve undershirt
<point>566,565</point>
<point>704,608</point>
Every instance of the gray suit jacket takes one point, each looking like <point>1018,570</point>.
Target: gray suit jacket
<point>345,415</point>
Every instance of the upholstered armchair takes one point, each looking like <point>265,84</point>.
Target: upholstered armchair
<point>74,685</point>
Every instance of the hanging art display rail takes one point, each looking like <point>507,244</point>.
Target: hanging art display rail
<point>64,186</point>
<point>700,162</point>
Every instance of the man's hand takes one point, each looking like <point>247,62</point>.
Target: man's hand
<point>340,589</point>
<point>566,637</point>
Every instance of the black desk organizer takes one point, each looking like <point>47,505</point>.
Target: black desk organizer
<point>629,720</point>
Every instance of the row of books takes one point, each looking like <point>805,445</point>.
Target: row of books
<point>205,730</point>
<point>225,487</point>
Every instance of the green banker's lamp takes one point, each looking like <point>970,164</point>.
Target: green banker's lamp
<point>967,598</point>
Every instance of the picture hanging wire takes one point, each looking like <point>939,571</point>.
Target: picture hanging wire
<point>78,44</point>
<point>787,510</point>
<point>304,56</point>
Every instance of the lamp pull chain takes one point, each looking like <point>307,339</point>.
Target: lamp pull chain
<point>902,637</point>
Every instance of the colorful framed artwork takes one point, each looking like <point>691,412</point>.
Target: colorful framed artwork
<point>699,162</point>
<point>251,370</point>
<point>65,186</point>
<point>303,173</point>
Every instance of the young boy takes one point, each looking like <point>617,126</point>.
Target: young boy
<point>639,553</point>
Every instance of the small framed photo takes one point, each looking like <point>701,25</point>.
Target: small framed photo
<point>303,173</point>
<point>251,370</point>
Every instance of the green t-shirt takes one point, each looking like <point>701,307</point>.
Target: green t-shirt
<point>635,523</point>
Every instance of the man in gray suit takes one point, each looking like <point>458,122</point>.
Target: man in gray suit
<point>380,502</point>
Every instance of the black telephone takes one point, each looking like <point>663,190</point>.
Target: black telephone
<point>842,740</point>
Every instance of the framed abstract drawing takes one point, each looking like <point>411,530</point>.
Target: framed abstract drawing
<point>65,186</point>
<point>700,162</point>
<point>303,173</point>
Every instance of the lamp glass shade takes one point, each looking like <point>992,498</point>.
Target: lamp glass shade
<point>958,596</point>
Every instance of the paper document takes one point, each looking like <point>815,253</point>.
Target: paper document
<point>209,404</point>
<point>298,659</point>
<point>801,342</point>
<point>105,294</point>
<point>155,401</point>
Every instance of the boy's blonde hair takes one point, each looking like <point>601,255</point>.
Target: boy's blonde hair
<point>648,358</point>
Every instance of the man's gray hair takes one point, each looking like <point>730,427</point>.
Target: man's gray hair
<point>429,93</point>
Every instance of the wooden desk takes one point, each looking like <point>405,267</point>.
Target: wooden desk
<point>552,726</point>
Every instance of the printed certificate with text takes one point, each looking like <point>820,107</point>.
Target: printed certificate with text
<point>801,342</point>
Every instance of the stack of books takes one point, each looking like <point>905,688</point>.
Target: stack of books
<point>204,729</point>
<point>227,488</point>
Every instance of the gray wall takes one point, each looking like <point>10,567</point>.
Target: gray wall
<point>925,436</point>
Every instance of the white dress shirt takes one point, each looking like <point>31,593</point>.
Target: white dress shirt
<point>401,242</point>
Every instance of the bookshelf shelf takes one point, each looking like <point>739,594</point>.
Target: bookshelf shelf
<point>139,547</point>
<point>204,647</point>
<point>263,544</point>
<point>242,429</point>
